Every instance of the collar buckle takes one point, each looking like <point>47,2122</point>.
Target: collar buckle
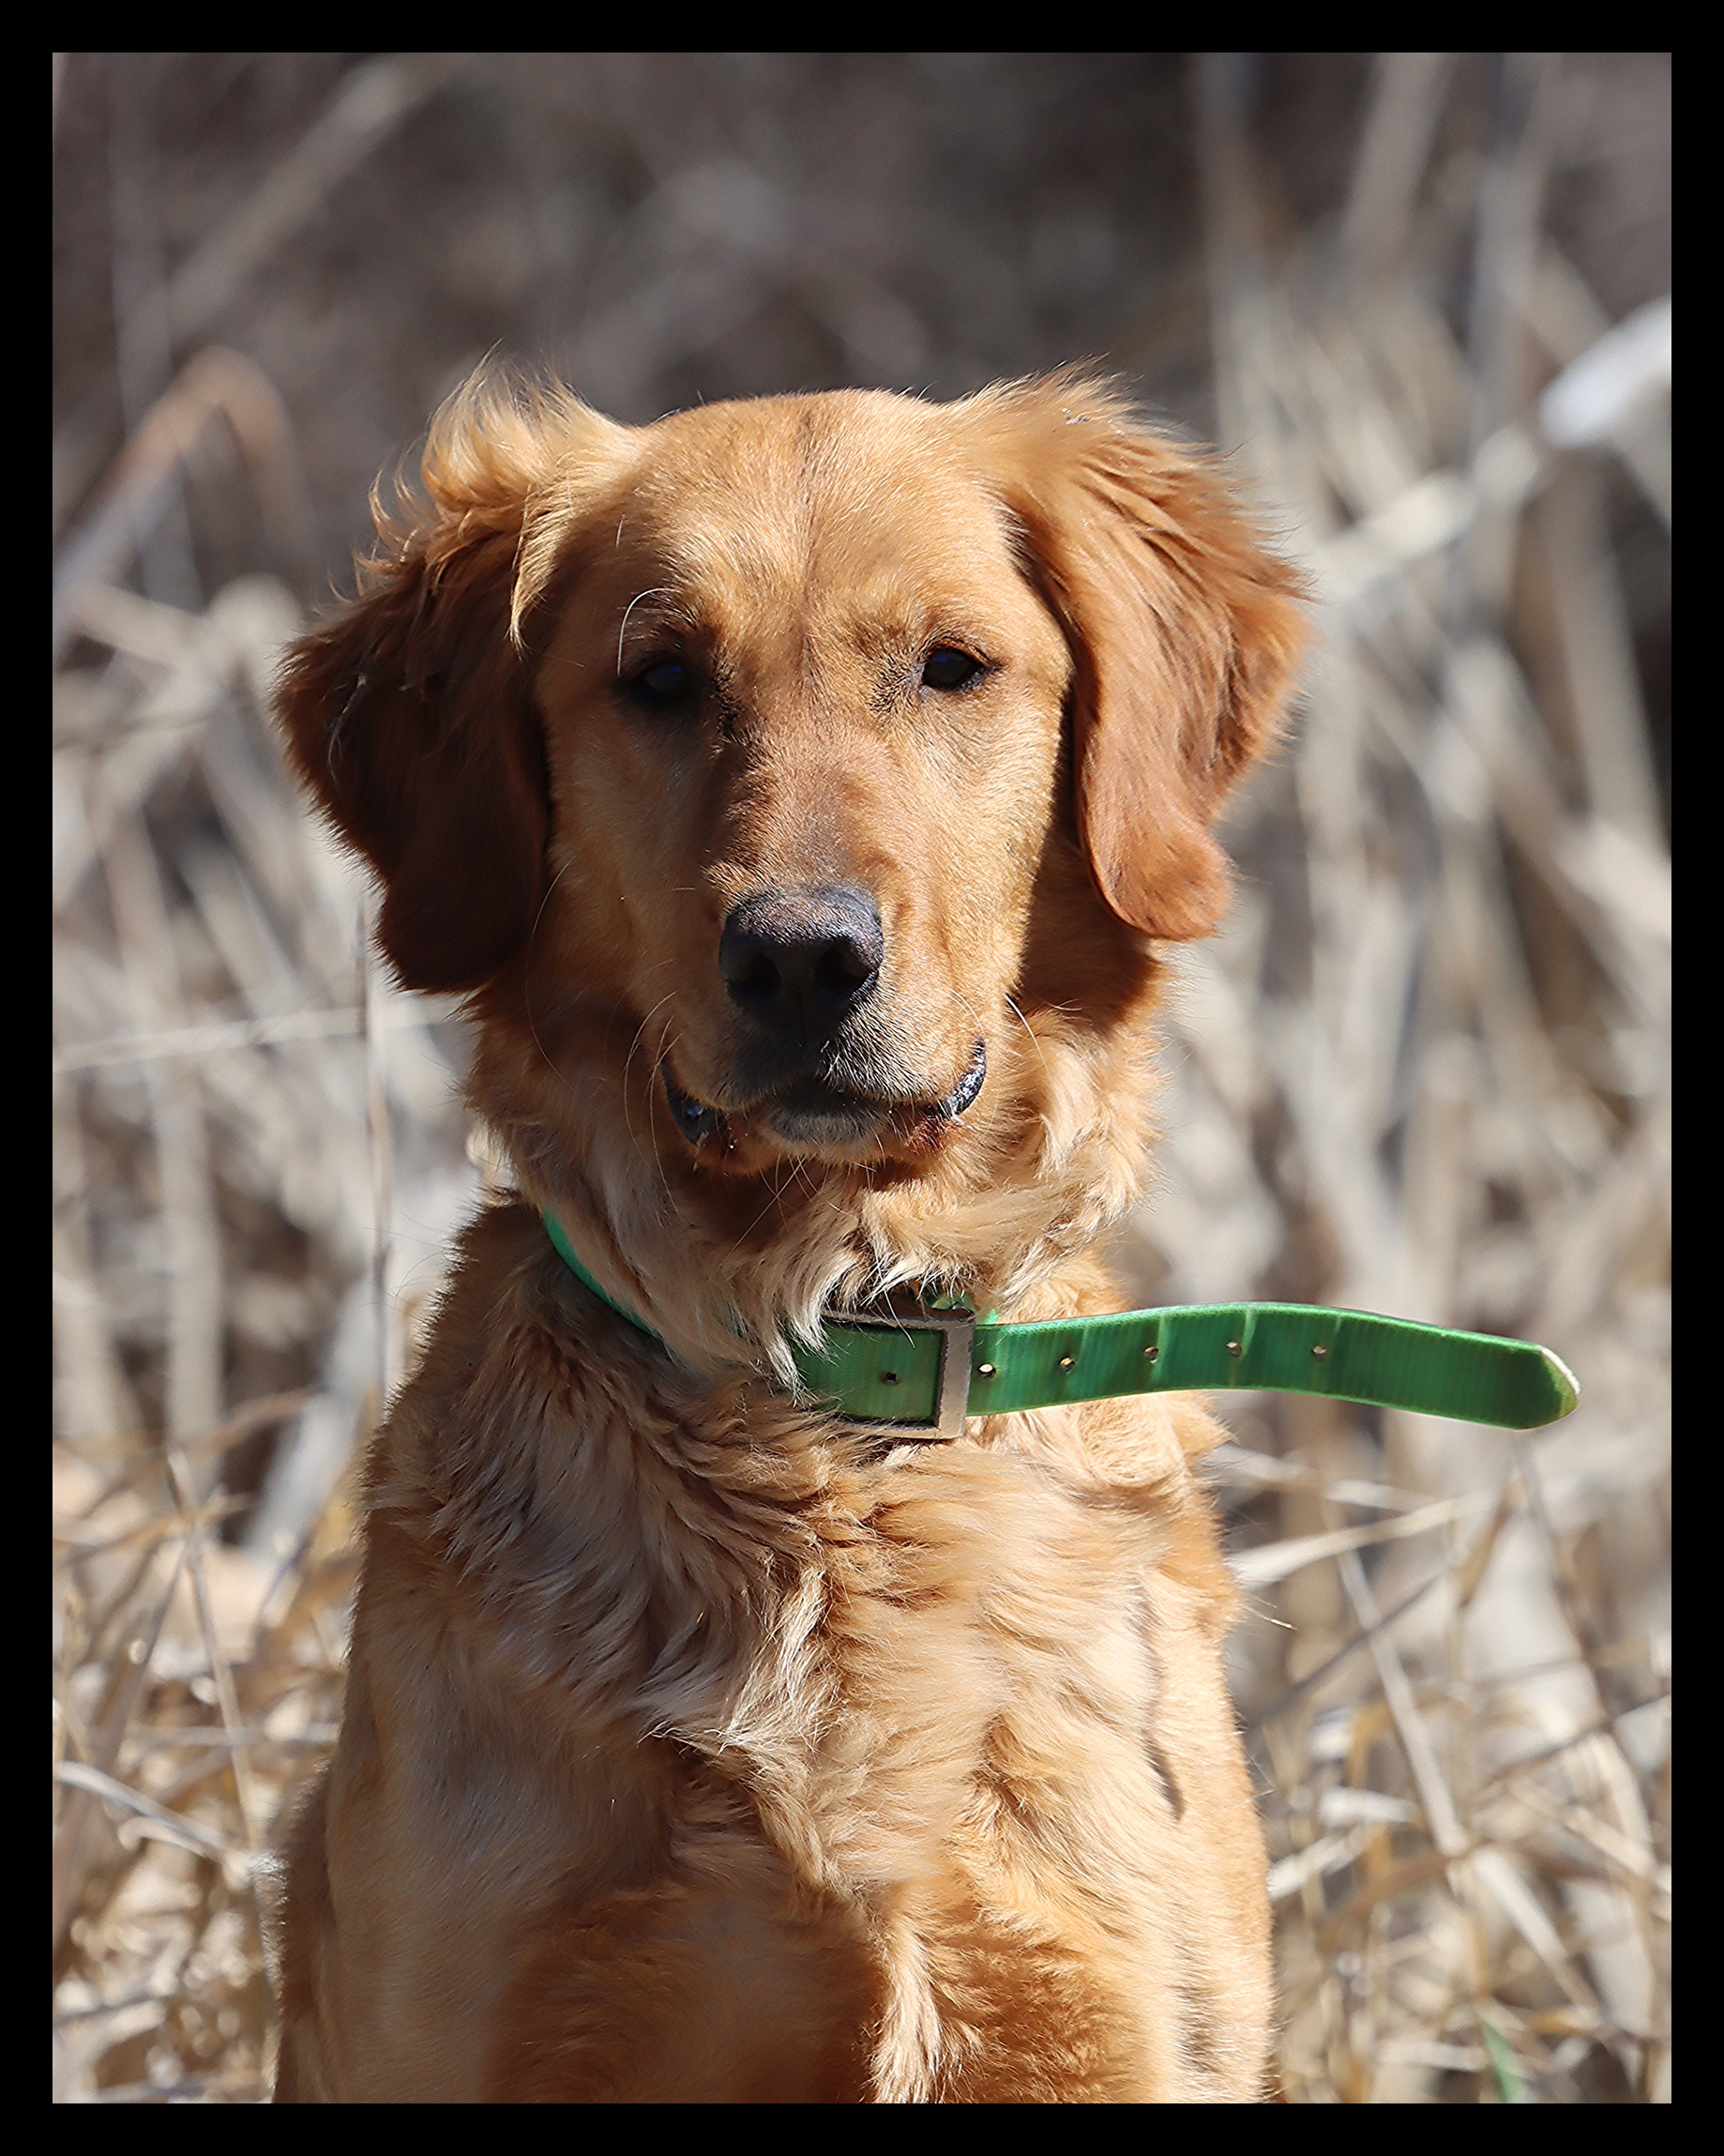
<point>956,1331</point>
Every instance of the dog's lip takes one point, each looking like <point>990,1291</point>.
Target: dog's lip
<point>812,1095</point>
<point>693,1118</point>
<point>968,1087</point>
<point>815,1098</point>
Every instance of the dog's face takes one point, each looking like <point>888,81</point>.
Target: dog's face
<point>802,713</point>
<point>759,731</point>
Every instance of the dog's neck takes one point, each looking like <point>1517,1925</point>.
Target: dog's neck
<point>726,1268</point>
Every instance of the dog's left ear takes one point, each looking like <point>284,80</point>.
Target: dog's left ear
<point>1184,632</point>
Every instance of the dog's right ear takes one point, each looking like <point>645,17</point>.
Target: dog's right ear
<point>410,713</point>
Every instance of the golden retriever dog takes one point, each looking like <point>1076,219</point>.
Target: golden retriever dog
<point>799,791</point>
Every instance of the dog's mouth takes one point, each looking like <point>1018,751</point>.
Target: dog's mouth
<point>813,1115</point>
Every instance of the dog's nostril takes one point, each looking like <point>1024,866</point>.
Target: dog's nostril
<point>843,966</point>
<point>802,959</point>
<point>755,979</point>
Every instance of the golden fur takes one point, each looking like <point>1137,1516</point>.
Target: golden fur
<point>697,1745</point>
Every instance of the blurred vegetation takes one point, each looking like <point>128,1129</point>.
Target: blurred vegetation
<point>1422,300</point>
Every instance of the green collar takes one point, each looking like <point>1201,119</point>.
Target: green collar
<point>924,1374</point>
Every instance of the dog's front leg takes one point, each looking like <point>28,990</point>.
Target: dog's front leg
<point>716,1989</point>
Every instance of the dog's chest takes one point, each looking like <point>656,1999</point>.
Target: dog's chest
<point>974,1662</point>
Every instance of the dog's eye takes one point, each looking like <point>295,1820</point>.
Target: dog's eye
<point>951,669</point>
<point>663,685</point>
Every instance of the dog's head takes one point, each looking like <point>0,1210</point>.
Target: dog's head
<point>772,768</point>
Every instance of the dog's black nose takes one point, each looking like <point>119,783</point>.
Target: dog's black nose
<point>800,960</point>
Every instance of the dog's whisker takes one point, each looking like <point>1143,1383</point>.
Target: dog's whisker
<point>665,1049</point>
<point>526,976</point>
<point>754,1224</point>
<point>628,1062</point>
<point>668,996</point>
<point>659,591</point>
<point>1034,1039</point>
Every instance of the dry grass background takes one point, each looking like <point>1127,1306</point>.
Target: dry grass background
<point>1424,302</point>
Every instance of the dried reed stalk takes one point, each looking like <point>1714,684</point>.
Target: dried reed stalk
<point>1426,1070</point>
